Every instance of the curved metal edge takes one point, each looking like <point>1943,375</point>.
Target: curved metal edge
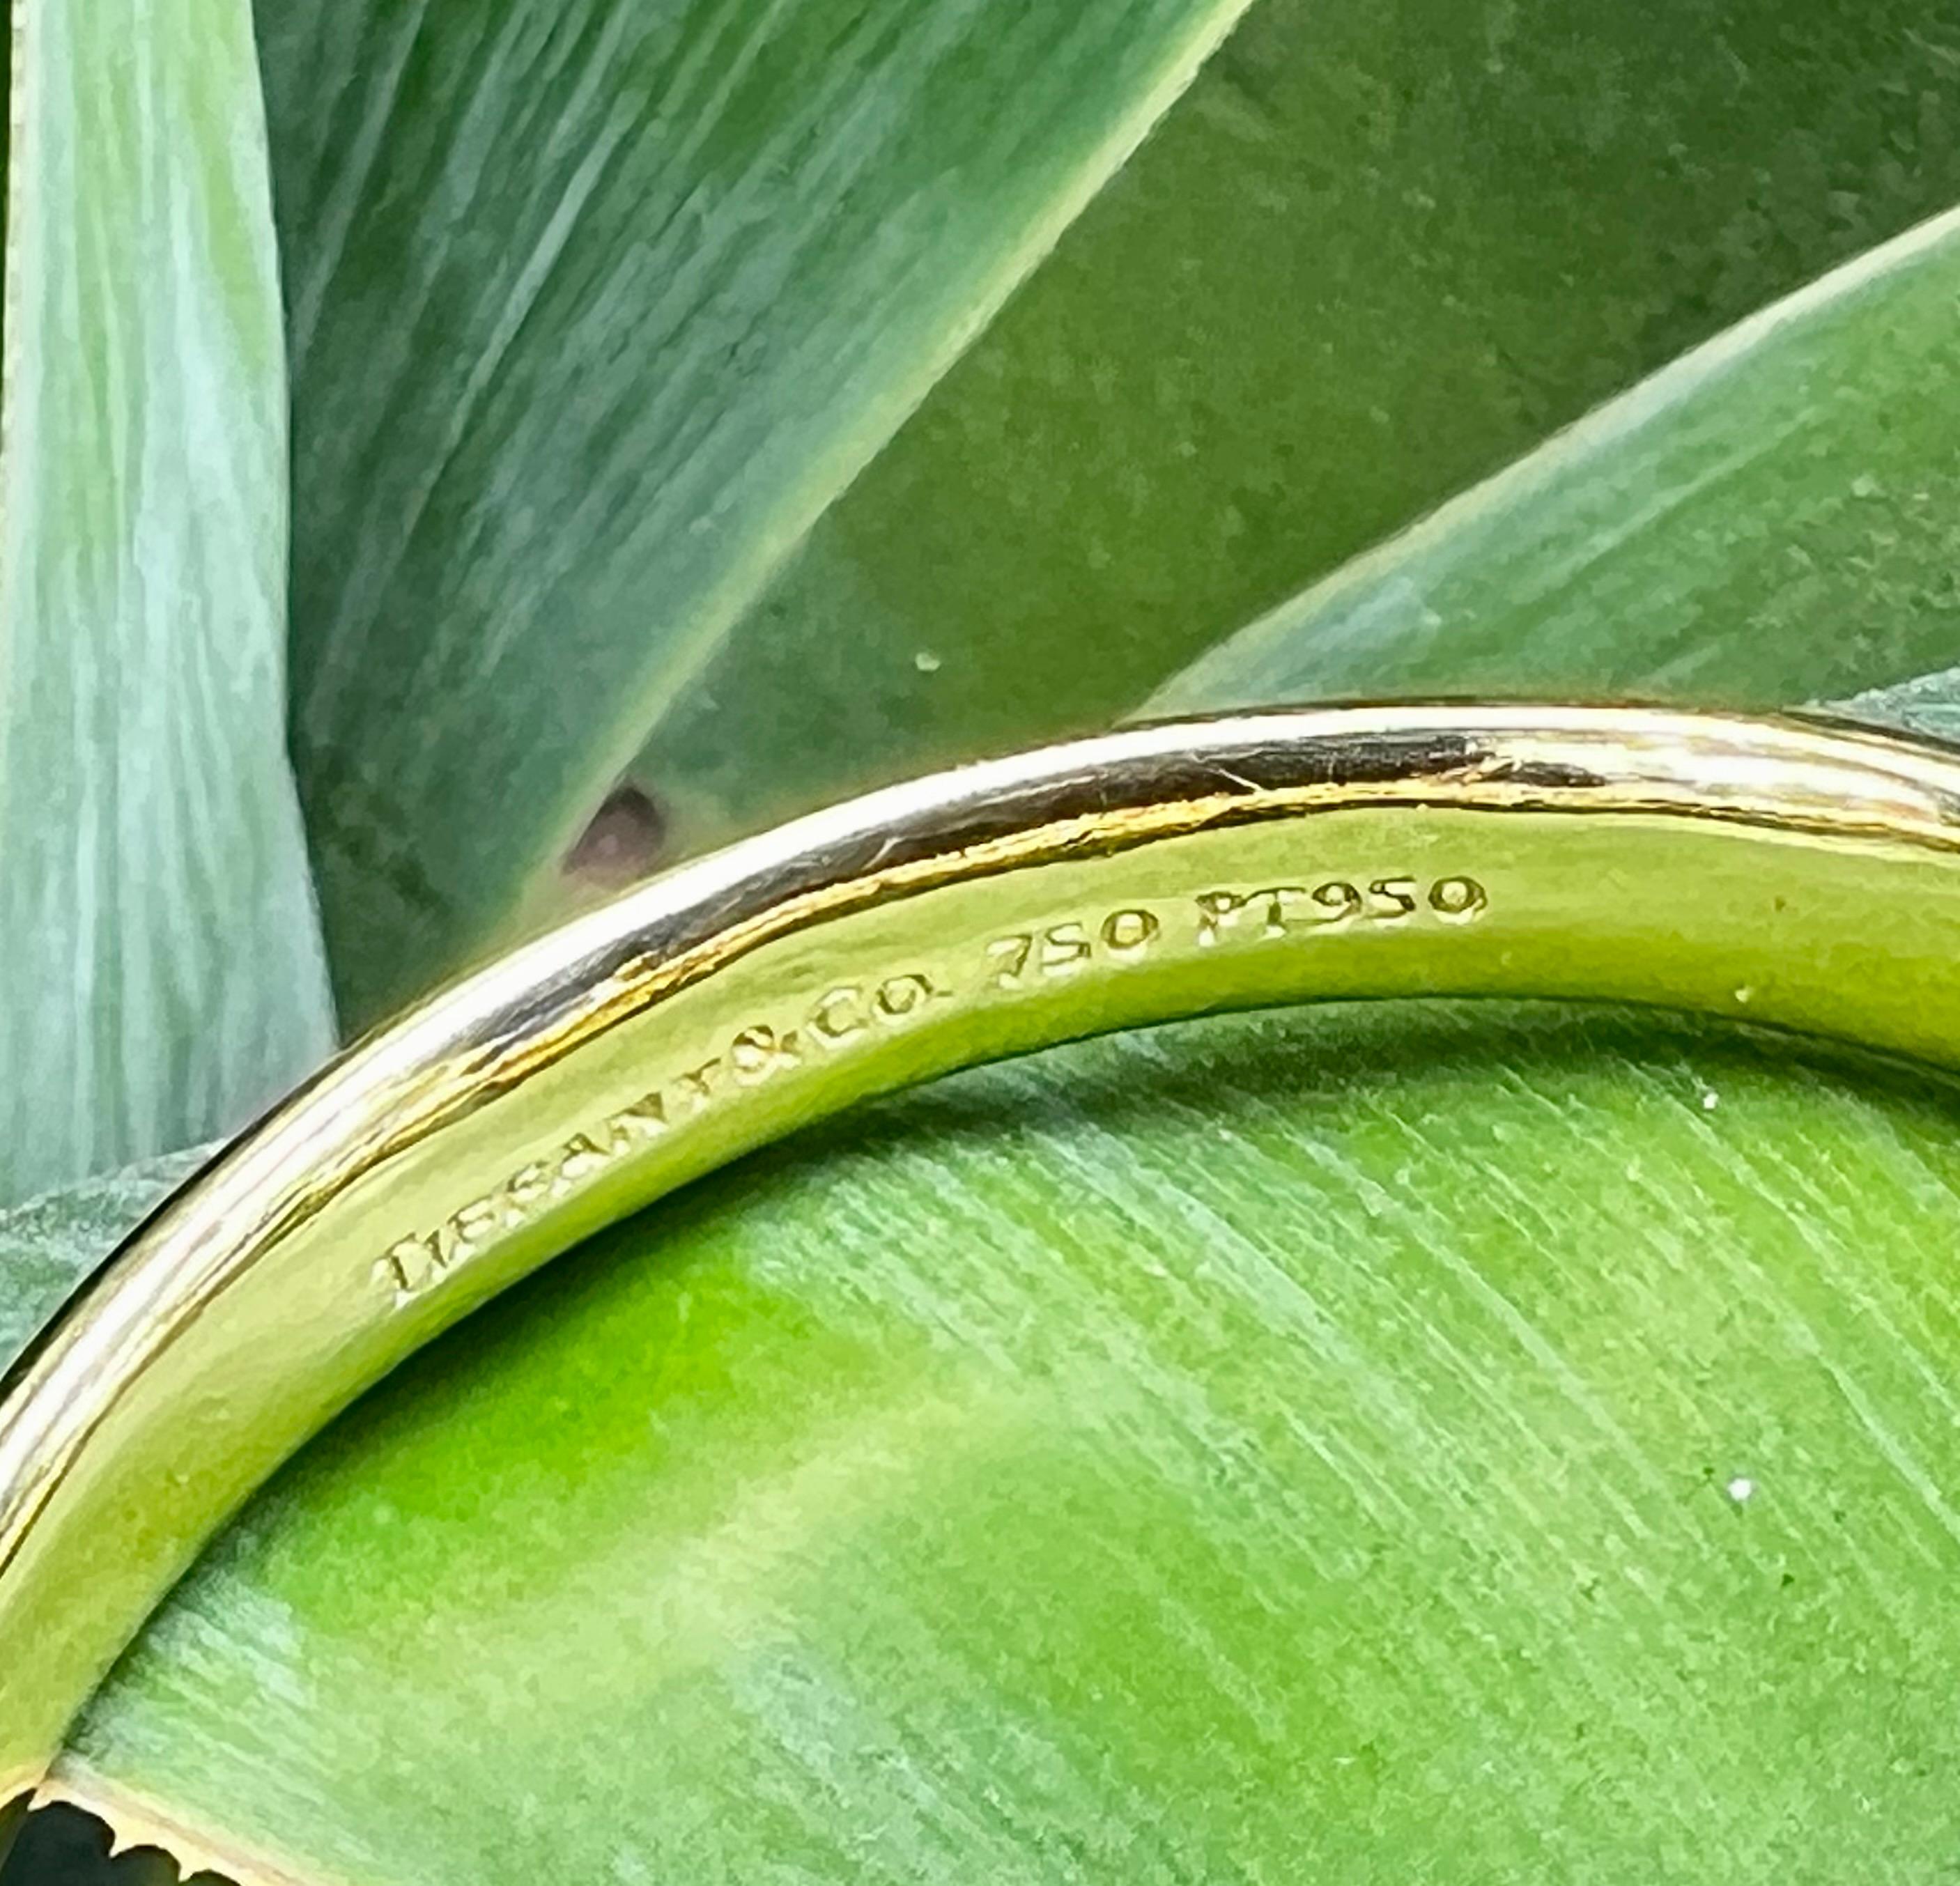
<point>501,1025</point>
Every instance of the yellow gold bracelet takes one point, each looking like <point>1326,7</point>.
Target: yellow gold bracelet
<point>1784,872</point>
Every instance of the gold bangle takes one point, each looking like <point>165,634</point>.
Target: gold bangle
<point>1784,872</point>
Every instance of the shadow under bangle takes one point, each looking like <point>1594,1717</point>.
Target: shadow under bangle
<point>1782,872</point>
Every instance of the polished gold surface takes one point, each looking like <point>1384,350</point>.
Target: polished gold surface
<point>1781,872</point>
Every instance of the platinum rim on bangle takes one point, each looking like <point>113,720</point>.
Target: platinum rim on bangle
<point>1784,872</point>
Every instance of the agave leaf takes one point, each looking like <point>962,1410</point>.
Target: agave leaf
<point>595,307</point>
<point>164,970</point>
<point>1773,518</point>
<point>1375,254</point>
<point>1459,1443</point>
<point>1500,1440</point>
<point>50,1244</point>
<point>1928,705</point>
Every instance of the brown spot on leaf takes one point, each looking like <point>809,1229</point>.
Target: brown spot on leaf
<point>623,842</point>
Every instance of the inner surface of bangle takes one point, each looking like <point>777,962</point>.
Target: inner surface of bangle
<point>1772,875</point>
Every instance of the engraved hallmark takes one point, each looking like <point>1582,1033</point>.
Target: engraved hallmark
<point>1060,950</point>
<point>1287,910</point>
<point>414,1265</point>
<point>847,1012</point>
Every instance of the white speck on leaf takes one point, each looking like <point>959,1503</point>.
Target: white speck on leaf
<point>926,661</point>
<point>1740,1488</point>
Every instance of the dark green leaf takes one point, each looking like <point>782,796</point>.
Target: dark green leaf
<point>595,307</point>
<point>1378,252</point>
<point>1774,519</point>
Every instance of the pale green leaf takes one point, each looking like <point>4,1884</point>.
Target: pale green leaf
<point>1457,1444</point>
<point>1376,253</point>
<point>1928,705</point>
<point>163,973</point>
<point>595,306</point>
<point>48,1244</point>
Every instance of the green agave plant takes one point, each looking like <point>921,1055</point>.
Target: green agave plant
<point>1403,1442</point>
